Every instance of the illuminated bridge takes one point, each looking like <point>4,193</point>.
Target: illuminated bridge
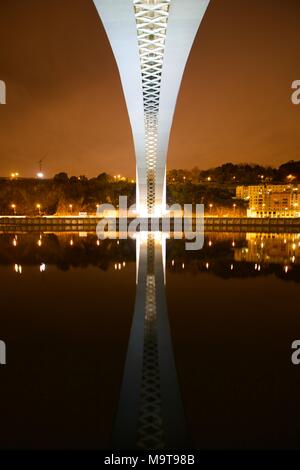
<point>151,41</point>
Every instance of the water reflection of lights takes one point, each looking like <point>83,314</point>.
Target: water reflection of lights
<point>120,266</point>
<point>42,268</point>
<point>18,268</point>
<point>269,248</point>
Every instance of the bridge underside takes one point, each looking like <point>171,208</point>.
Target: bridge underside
<point>151,41</point>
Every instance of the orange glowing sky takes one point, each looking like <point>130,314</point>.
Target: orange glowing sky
<point>64,97</point>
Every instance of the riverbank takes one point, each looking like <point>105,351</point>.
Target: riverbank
<point>69,223</point>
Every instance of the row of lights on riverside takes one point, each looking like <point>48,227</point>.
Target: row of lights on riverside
<point>19,269</point>
<point>13,206</point>
<point>38,206</point>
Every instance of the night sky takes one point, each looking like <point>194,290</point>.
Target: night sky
<point>64,98</point>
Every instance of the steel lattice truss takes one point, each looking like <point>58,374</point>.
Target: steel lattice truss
<point>151,21</point>
<point>150,426</point>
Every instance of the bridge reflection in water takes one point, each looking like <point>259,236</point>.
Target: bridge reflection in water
<point>125,352</point>
<point>150,413</point>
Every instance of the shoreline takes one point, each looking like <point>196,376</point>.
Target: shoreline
<point>89,223</point>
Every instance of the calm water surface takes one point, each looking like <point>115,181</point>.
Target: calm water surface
<point>67,306</point>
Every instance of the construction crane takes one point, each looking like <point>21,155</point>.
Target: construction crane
<point>40,173</point>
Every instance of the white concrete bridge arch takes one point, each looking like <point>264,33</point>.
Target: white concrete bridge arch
<point>151,41</point>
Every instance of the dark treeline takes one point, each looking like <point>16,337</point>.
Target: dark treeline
<point>71,195</point>
<point>238,174</point>
<point>61,194</point>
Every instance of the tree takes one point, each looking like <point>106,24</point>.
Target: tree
<point>61,178</point>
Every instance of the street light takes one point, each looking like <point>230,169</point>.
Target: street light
<point>38,206</point>
<point>71,208</point>
<point>234,207</point>
<point>13,206</point>
<point>210,207</point>
<point>290,177</point>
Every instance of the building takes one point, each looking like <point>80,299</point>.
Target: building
<point>270,200</point>
<point>151,41</point>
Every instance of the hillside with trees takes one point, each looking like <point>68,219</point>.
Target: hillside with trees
<point>64,195</point>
